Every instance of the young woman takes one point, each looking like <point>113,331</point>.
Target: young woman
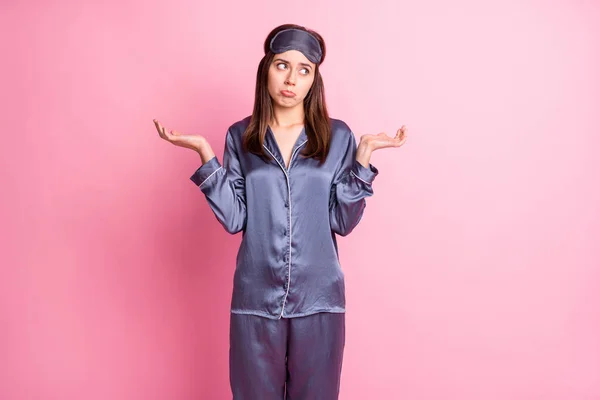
<point>291,179</point>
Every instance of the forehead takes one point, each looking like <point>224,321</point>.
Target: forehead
<point>294,57</point>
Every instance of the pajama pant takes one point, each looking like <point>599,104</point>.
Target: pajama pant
<point>296,358</point>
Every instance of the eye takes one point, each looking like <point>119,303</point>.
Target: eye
<point>278,65</point>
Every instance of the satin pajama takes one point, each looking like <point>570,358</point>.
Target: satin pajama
<point>296,358</point>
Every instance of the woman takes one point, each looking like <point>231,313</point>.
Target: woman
<point>291,179</point>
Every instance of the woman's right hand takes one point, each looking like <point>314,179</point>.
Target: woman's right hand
<point>197,143</point>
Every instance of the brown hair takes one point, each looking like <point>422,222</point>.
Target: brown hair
<point>316,119</point>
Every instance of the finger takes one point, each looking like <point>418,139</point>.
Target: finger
<point>164,132</point>
<point>403,131</point>
<point>173,135</point>
<point>161,130</point>
<point>157,126</point>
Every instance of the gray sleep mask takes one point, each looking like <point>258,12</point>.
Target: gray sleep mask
<point>297,39</point>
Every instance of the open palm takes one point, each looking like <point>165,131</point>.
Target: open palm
<point>194,142</point>
<point>382,140</point>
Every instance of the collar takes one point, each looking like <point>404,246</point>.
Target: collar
<point>270,144</point>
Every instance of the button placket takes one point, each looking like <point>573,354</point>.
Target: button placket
<point>288,206</point>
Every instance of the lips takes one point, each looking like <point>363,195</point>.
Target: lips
<point>287,93</point>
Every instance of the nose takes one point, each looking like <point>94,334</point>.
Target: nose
<point>291,78</point>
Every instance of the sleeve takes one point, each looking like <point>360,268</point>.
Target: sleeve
<point>351,185</point>
<point>224,187</point>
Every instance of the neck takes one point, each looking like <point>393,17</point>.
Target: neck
<point>287,117</point>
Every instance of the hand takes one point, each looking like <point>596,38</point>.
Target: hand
<point>194,142</point>
<point>382,140</point>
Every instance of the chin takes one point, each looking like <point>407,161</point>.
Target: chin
<point>288,104</point>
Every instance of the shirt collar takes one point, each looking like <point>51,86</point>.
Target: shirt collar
<point>271,143</point>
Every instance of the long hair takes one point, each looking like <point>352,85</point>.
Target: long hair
<point>316,123</point>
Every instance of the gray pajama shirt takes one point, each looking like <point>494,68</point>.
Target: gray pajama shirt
<point>287,265</point>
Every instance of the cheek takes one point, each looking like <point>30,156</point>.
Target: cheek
<point>275,78</point>
<point>307,85</point>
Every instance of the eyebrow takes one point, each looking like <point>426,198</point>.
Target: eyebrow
<point>287,62</point>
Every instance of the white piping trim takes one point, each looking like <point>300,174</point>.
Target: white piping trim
<point>214,172</point>
<point>287,180</point>
<point>352,172</point>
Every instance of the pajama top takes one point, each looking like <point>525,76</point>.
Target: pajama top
<point>287,264</point>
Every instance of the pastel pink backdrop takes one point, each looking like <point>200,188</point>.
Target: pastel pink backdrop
<point>474,274</point>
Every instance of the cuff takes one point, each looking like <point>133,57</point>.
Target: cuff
<point>205,171</point>
<point>367,175</point>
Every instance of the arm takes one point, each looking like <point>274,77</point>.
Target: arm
<point>224,188</point>
<point>351,185</point>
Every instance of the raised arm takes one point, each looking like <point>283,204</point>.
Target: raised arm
<point>351,185</point>
<point>224,187</point>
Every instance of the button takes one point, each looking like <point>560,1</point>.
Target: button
<point>287,204</point>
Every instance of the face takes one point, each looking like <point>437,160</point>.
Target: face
<point>292,72</point>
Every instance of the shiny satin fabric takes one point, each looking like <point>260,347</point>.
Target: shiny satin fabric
<point>314,346</point>
<point>287,264</point>
<point>297,39</point>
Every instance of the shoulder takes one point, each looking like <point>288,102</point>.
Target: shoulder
<point>340,131</point>
<point>239,127</point>
<point>339,125</point>
<point>236,130</point>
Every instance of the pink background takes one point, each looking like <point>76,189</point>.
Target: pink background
<point>474,274</point>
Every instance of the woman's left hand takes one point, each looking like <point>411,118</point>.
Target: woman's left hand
<point>382,140</point>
